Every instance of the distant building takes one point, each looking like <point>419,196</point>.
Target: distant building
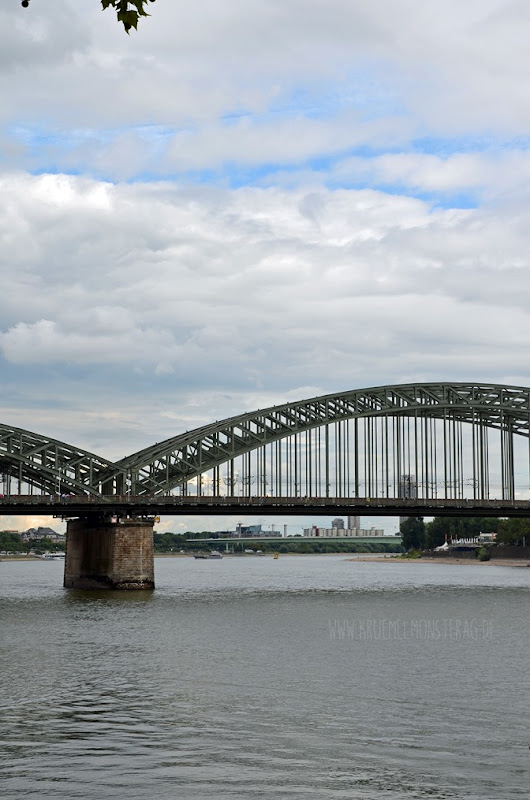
<point>33,534</point>
<point>57,538</point>
<point>338,523</point>
<point>408,490</point>
<point>254,531</point>
<point>354,522</point>
<point>342,533</point>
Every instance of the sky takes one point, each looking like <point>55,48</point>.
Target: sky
<point>249,202</point>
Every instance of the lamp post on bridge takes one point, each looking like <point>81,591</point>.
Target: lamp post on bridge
<point>246,483</point>
<point>230,483</point>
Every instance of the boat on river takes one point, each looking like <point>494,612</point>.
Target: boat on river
<point>215,554</point>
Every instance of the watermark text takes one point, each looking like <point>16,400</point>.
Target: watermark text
<point>434,629</point>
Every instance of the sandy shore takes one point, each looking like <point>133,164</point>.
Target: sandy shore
<point>20,558</point>
<point>498,562</point>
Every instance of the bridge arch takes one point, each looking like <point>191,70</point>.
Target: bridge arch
<point>50,466</point>
<point>428,439</point>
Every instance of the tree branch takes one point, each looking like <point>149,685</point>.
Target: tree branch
<point>128,12</point>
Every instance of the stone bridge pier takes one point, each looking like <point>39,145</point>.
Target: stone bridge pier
<point>109,553</point>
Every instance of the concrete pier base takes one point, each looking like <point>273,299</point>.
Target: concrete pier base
<point>101,554</point>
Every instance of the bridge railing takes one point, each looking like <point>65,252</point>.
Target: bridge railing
<point>409,505</point>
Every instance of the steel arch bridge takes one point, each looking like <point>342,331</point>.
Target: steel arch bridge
<point>407,442</point>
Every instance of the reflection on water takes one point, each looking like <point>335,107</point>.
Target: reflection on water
<point>309,676</point>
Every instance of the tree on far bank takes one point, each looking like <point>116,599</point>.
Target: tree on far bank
<point>413,533</point>
<point>11,542</point>
<point>514,532</point>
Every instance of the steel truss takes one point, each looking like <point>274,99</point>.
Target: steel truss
<point>40,463</point>
<point>429,440</point>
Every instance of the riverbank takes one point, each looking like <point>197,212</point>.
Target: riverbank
<point>496,562</point>
<point>19,557</point>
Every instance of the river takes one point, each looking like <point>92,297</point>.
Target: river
<point>302,677</point>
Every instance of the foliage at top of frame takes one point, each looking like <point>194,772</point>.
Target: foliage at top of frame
<point>128,12</point>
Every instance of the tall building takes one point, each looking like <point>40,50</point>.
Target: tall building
<point>354,523</point>
<point>408,490</point>
<point>338,523</point>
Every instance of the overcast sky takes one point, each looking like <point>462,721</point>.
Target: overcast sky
<point>253,201</point>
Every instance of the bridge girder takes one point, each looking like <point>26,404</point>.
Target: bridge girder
<point>51,465</point>
<point>47,463</point>
<point>159,468</point>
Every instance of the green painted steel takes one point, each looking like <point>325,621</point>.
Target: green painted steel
<point>37,461</point>
<point>49,466</point>
<point>182,458</point>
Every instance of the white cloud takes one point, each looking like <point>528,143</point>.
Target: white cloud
<point>490,175</point>
<point>310,78</point>
<point>255,287</point>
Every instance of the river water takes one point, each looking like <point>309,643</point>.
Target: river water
<point>302,677</point>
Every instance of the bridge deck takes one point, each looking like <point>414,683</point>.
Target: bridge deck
<point>78,505</point>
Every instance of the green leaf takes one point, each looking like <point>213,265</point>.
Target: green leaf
<point>127,16</point>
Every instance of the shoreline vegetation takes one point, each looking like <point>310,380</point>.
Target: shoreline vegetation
<point>178,543</point>
<point>419,535</point>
